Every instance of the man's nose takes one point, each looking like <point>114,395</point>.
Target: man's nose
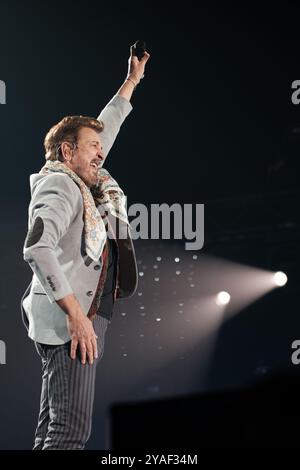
<point>100,155</point>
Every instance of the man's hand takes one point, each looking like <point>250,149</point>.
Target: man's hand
<point>82,333</point>
<point>136,70</point>
<point>136,67</point>
<point>80,328</point>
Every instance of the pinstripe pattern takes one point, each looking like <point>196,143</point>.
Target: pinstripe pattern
<point>67,395</point>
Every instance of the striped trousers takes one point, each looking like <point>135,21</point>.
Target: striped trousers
<point>67,395</point>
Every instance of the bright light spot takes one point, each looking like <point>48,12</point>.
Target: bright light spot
<point>158,319</point>
<point>158,258</point>
<point>178,272</point>
<point>223,298</point>
<point>156,279</point>
<point>195,256</point>
<point>280,278</point>
<point>176,260</point>
<point>141,273</point>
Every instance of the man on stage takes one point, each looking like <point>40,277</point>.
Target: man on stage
<point>81,253</point>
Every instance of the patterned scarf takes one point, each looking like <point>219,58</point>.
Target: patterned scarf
<point>107,194</point>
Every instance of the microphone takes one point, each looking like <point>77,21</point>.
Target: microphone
<point>139,49</point>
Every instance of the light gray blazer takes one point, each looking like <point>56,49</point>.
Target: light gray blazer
<point>55,247</point>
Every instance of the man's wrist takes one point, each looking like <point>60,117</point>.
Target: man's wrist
<point>70,305</point>
<point>129,85</point>
<point>134,79</point>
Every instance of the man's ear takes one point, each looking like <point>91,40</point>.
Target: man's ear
<point>66,150</point>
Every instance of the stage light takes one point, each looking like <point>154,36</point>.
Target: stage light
<point>280,278</point>
<point>223,298</point>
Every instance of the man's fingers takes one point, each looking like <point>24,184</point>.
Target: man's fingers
<point>82,351</point>
<point>87,349</point>
<point>145,57</point>
<point>90,352</point>
<point>95,347</point>
<point>74,345</point>
<point>87,344</point>
<point>134,60</point>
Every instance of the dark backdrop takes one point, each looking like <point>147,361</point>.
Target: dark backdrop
<point>213,123</point>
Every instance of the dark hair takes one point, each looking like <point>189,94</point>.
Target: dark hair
<point>67,130</point>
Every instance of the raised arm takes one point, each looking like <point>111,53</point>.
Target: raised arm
<point>118,108</point>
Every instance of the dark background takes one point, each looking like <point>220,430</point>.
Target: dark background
<point>212,123</point>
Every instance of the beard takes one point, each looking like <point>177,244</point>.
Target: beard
<point>88,175</point>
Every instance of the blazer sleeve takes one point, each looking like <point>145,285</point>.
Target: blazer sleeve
<point>113,115</point>
<point>51,210</point>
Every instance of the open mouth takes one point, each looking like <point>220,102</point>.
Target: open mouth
<point>94,165</point>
